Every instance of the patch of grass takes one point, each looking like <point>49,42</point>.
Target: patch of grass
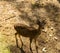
<point>3,45</point>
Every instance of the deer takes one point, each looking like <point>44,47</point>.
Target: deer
<point>28,31</point>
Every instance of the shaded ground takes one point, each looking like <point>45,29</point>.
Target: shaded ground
<point>17,11</point>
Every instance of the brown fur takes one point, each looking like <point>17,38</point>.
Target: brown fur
<point>30,32</point>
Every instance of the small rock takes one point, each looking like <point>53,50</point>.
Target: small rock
<point>50,35</point>
<point>55,38</point>
<point>52,28</point>
<point>44,49</point>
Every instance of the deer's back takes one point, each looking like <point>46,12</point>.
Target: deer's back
<point>26,32</point>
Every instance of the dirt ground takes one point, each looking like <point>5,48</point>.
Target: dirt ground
<point>27,12</point>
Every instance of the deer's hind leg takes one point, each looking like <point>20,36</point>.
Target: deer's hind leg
<point>18,40</point>
<point>16,36</point>
<point>21,41</point>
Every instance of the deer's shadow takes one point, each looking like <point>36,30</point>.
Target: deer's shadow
<point>14,49</point>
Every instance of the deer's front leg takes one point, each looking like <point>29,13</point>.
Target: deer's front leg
<point>30,45</point>
<point>36,46</point>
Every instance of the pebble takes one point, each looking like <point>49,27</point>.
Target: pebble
<point>44,49</point>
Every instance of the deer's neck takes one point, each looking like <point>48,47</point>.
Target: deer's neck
<point>39,28</point>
